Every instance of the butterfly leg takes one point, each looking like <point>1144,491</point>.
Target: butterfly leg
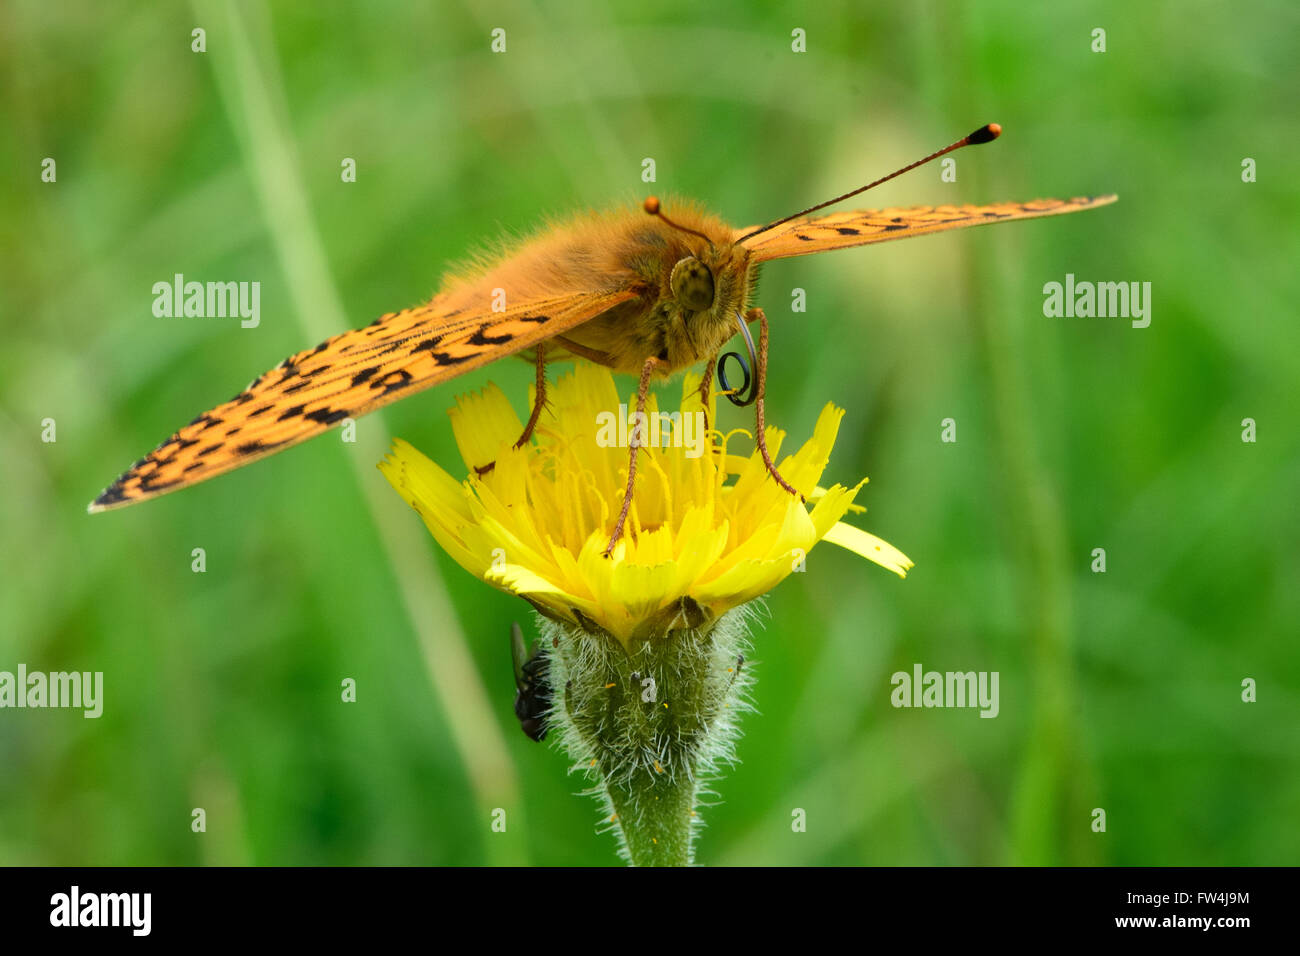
<point>539,403</point>
<point>643,389</point>
<point>706,384</point>
<point>760,432</point>
<point>591,355</point>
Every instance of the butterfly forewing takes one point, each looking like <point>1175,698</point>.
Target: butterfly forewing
<point>573,276</point>
<point>801,237</point>
<point>344,377</point>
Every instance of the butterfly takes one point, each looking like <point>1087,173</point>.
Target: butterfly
<point>645,295</point>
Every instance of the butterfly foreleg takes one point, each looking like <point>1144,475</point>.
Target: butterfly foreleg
<point>539,402</point>
<point>760,431</point>
<point>634,443</point>
<point>706,383</point>
<point>539,399</point>
<point>591,355</point>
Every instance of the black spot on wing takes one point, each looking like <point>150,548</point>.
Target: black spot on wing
<point>364,374</point>
<point>291,412</point>
<point>150,485</point>
<point>428,344</point>
<point>442,358</point>
<point>252,447</point>
<point>327,416</point>
<point>392,381</point>
<point>847,231</point>
<point>111,495</point>
<point>482,338</point>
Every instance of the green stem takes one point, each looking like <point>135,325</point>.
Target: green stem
<point>649,720</point>
<point>654,816</point>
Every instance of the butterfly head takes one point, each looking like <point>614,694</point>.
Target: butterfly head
<point>707,286</point>
<point>708,290</point>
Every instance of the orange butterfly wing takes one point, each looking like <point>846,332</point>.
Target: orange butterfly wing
<point>347,376</point>
<point>801,237</point>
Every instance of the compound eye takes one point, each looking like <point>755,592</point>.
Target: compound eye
<point>692,285</point>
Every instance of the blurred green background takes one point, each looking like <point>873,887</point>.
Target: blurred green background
<point>1119,690</point>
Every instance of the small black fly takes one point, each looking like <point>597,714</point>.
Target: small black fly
<point>533,692</point>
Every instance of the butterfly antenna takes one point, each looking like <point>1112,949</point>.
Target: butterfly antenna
<point>985,134</point>
<point>651,206</point>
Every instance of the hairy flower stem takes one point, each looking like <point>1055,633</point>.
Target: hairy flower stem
<point>654,819</point>
<point>650,723</point>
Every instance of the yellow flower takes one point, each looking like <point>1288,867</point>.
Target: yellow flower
<point>538,523</point>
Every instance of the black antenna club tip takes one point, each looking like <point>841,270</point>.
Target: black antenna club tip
<point>985,134</point>
<point>652,205</point>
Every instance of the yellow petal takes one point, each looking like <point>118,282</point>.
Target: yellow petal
<point>482,422</point>
<point>705,522</point>
<point>870,547</point>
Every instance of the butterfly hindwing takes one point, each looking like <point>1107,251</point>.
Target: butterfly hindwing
<point>801,237</point>
<point>348,376</point>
